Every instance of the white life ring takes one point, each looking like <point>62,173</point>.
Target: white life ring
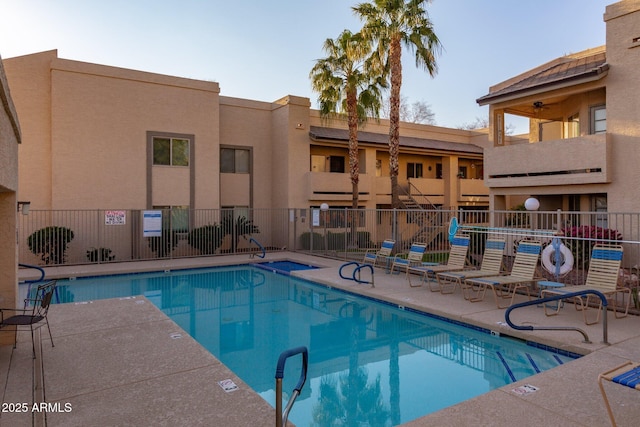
<point>548,259</point>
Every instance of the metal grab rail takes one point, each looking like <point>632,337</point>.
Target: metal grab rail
<point>264,253</point>
<point>281,416</point>
<point>41,279</point>
<point>356,271</point>
<point>561,328</point>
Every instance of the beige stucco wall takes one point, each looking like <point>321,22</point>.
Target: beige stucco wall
<point>9,139</point>
<point>623,102</point>
<point>615,153</point>
<point>88,142</point>
<point>86,138</point>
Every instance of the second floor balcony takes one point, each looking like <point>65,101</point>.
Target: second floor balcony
<point>581,160</point>
<point>336,186</point>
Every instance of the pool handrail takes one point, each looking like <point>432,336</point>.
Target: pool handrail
<point>356,271</point>
<point>41,279</point>
<point>32,281</point>
<point>264,252</point>
<point>560,328</point>
<point>281,416</point>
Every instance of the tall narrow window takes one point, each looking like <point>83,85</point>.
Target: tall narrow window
<point>171,151</point>
<point>573,126</point>
<point>598,119</point>
<point>438,170</point>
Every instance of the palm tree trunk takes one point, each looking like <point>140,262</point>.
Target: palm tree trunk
<point>395,51</point>
<point>354,165</point>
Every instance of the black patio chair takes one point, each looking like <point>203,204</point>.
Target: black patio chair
<point>34,315</point>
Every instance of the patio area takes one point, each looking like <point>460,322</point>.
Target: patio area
<point>123,362</point>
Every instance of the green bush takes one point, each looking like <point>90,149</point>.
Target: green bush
<point>335,241</point>
<point>163,245</point>
<point>100,255</point>
<point>206,239</point>
<point>241,226</point>
<point>50,243</point>
<point>318,241</point>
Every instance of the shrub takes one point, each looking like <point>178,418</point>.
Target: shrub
<point>318,241</point>
<point>582,238</point>
<point>163,245</point>
<point>206,239</point>
<point>240,227</point>
<point>335,241</point>
<point>50,243</point>
<point>100,255</point>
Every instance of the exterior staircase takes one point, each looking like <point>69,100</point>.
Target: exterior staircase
<point>432,223</point>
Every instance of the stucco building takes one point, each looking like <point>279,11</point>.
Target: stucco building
<point>100,137</point>
<point>9,140</point>
<point>584,113</point>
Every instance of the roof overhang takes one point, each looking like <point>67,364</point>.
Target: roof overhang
<point>318,133</point>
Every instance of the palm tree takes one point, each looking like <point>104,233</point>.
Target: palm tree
<point>394,24</point>
<point>348,81</point>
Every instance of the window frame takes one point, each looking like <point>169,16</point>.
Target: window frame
<point>235,169</point>
<point>415,170</point>
<point>593,122</point>
<point>172,156</point>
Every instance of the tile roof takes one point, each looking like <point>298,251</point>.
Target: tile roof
<point>324,133</point>
<point>562,70</point>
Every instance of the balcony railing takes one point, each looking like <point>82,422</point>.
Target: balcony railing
<point>581,160</point>
<point>472,190</point>
<point>336,186</point>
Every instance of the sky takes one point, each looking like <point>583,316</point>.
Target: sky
<point>264,50</point>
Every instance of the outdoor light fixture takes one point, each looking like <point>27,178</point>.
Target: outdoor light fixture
<point>25,207</point>
<point>531,204</point>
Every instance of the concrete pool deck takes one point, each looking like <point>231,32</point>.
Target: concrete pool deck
<point>123,362</point>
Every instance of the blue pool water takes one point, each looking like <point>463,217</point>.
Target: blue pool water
<point>370,363</point>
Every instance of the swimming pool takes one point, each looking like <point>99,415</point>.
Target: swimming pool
<point>369,362</point>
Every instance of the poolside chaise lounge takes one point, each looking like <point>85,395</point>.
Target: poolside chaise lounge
<point>456,261</point>
<point>627,374</point>
<point>602,276</point>
<point>491,266</point>
<point>384,253</point>
<point>506,286</point>
<point>413,258</point>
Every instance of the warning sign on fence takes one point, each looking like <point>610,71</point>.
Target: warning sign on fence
<point>115,218</point>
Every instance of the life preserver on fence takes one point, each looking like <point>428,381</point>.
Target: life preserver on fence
<point>453,228</point>
<point>557,261</point>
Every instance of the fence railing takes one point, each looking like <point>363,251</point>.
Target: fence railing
<point>99,236</point>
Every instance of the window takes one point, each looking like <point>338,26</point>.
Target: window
<point>175,218</point>
<point>234,160</point>
<point>378,167</point>
<point>170,151</point>
<point>414,170</point>
<point>438,170</point>
<point>573,126</point>
<point>336,164</point>
<point>598,119</point>
<point>462,172</point>
<point>599,205</point>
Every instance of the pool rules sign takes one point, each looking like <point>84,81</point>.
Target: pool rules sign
<point>152,223</point>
